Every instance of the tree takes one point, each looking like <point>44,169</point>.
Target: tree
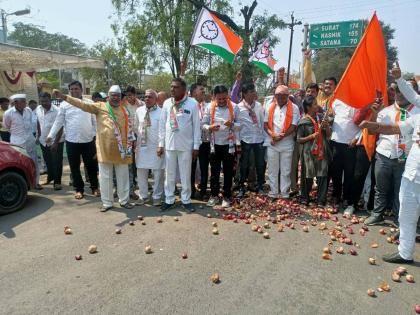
<point>159,82</point>
<point>121,65</point>
<point>31,35</point>
<point>158,32</point>
<point>333,62</point>
<point>255,29</point>
<point>120,70</point>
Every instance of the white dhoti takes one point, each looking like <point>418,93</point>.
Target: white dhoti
<point>183,159</point>
<point>408,217</point>
<point>30,147</point>
<point>158,182</point>
<point>147,159</point>
<point>279,161</point>
<point>34,156</point>
<point>106,183</point>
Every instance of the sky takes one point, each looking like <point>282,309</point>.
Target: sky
<point>90,20</point>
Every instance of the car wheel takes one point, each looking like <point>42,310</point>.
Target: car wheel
<point>13,192</point>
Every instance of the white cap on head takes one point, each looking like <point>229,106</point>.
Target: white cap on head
<point>14,97</point>
<point>114,89</point>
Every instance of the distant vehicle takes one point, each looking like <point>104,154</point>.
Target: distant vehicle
<point>17,176</point>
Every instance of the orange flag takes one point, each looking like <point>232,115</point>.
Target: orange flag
<point>366,74</point>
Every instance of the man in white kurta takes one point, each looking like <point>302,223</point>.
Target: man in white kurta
<point>280,142</point>
<point>147,128</point>
<point>18,120</point>
<point>179,139</point>
<point>131,103</point>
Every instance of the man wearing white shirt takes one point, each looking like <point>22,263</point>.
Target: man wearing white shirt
<point>179,139</point>
<point>409,195</point>
<point>391,155</point>
<point>18,121</point>
<point>32,104</point>
<point>405,87</point>
<point>79,130</point>
<point>53,155</point>
<point>250,116</point>
<point>198,93</point>
<point>131,103</point>
<point>219,119</point>
<point>280,121</point>
<point>343,141</point>
<point>147,129</point>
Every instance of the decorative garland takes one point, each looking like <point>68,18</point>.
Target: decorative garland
<point>11,80</point>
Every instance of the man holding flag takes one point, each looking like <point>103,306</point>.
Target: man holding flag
<point>363,80</point>
<point>391,156</point>
<point>409,195</point>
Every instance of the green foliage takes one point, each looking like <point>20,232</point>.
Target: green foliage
<point>122,65</point>
<point>157,32</point>
<point>159,82</point>
<point>51,77</point>
<point>31,35</point>
<point>222,73</point>
<point>263,26</point>
<point>119,63</point>
<point>333,62</point>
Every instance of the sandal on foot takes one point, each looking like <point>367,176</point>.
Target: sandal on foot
<point>105,208</point>
<point>79,195</point>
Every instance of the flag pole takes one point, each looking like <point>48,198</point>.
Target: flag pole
<point>190,44</point>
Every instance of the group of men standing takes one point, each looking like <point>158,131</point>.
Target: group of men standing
<point>170,141</point>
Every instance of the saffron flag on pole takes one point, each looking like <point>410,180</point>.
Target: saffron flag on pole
<point>365,76</point>
<point>212,34</point>
<point>262,58</point>
<point>367,70</point>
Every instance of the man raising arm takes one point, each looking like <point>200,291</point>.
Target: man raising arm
<point>410,186</point>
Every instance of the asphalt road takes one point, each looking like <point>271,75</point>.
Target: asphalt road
<point>281,275</point>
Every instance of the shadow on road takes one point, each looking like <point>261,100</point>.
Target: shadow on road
<point>35,205</point>
<point>150,211</point>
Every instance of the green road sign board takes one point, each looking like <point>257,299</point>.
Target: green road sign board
<point>335,35</point>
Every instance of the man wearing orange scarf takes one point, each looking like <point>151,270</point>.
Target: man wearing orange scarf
<point>219,120</point>
<point>280,121</point>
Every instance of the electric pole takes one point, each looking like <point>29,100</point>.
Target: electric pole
<point>304,47</point>
<point>291,26</point>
